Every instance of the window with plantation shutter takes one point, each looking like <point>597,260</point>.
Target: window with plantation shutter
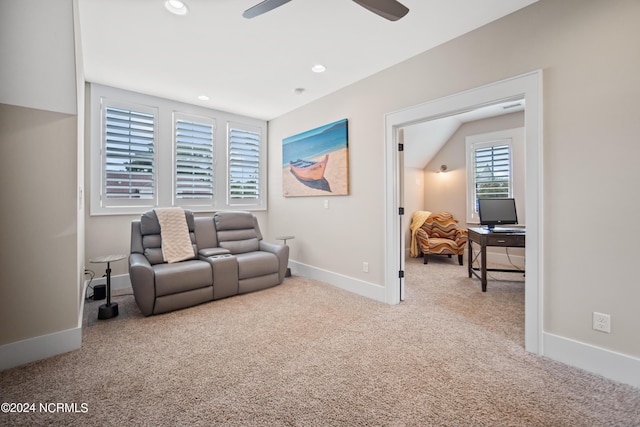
<point>492,170</point>
<point>194,177</point>
<point>128,155</point>
<point>244,164</point>
<point>147,152</point>
<point>489,169</point>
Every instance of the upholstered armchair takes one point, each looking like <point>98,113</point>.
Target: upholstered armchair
<point>440,235</point>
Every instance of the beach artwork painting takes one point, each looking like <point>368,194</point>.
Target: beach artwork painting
<point>316,162</point>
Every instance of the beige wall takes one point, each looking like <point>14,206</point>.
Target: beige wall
<point>585,49</point>
<point>438,192</point>
<point>38,285</point>
<point>447,191</point>
<point>37,55</point>
<point>413,200</point>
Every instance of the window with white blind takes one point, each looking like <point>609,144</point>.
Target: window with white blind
<point>128,154</point>
<point>245,165</point>
<point>492,172</point>
<point>147,152</point>
<point>194,148</point>
<point>489,170</point>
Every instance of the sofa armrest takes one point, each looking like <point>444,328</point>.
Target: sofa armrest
<point>422,232</point>
<point>208,252</point>
<point>462,236</point>
<point>281,251</point>
<point>142,282</point>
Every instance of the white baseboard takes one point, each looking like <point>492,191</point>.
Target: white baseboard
<point>503,259</point>
<point>609,364</point>
<point>45,346</point>
<point>360,287</point>
<point>120,281</point>
<point>37,348</point>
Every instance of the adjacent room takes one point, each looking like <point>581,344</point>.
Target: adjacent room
<point>328,165</point>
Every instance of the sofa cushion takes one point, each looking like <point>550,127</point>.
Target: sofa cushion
<point>254,264</point>
<point>149,223</point>
<point>182,276</point>
<point>233,220</point>
<point>237,232</point>
<point>241,246</point>
<point>151,241</point>
<point>208,252</point>
<point>441,225</point>
<point>154,255</point>
<point>439,245</point>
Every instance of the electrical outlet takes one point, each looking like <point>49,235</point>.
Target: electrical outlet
<point>365,267</point>
<point>602,322</point>
<point>326,203</point>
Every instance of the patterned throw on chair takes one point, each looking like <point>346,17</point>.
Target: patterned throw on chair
<point>440,235</point>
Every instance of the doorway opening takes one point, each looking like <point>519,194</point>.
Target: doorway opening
<point>527,87</point>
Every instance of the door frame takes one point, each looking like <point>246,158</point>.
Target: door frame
<point>401,216</point>
<point>526,86</point>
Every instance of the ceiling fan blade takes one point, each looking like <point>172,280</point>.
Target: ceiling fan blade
<point>263,7</point>
<point>389,9</point>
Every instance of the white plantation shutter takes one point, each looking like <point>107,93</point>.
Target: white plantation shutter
<point>148,152</point>
<point>492,170</point>
<point>489,169</point>
<point>194,158</point>
<point>244,163</point>
<point>129,153</point>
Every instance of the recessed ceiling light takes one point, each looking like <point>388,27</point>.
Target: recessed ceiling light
<point>318,68</point>
<point>203,97</point>
<point>177,7</point>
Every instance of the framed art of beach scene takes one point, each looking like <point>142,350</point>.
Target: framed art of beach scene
<point>316,162</point>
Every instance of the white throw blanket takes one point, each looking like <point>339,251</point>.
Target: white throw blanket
<point>176,242</point>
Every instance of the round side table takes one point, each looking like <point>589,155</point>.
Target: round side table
<point>285,238</point>
<point>110,309</point>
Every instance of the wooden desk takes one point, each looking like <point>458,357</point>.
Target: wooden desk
<point>483,237</point>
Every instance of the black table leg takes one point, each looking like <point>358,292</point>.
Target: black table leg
<point>108,310</point>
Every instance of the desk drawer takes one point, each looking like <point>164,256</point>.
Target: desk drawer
<point>511,240</point>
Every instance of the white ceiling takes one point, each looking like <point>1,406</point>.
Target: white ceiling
<point>252,66</point>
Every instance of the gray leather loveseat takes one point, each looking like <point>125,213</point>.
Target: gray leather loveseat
<point>230,257</point>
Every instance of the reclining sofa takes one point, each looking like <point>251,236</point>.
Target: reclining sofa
<point>229,258</point>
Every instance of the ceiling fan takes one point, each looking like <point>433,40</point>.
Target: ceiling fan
<point>389,9</point>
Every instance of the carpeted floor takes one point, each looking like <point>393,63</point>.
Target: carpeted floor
<point>307,354</point>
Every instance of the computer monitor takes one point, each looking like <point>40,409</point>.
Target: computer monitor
<point>497,212</point>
